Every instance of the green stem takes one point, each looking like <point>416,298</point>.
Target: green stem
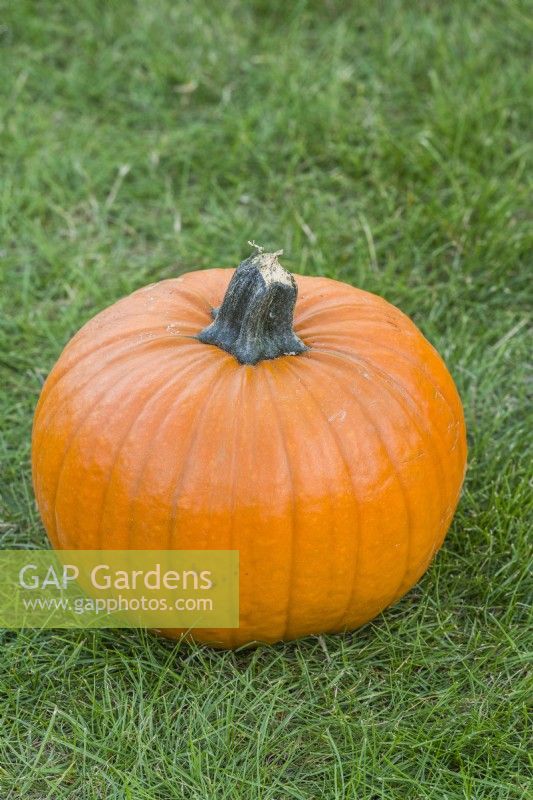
<point>255,319</point>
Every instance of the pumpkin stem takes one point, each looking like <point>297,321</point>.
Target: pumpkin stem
<point>254,321</point>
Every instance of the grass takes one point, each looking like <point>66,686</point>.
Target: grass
<point>384,144</point>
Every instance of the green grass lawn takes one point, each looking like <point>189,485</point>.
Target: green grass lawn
<point>384,144</point>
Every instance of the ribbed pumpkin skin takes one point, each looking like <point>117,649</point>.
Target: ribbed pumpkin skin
<point>335,473</point>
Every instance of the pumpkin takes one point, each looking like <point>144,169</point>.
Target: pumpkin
<point>302,421</point>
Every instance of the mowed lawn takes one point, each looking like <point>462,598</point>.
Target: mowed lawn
<point>384,144</point>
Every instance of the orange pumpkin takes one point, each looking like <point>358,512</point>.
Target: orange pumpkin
<point>331,456</point>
